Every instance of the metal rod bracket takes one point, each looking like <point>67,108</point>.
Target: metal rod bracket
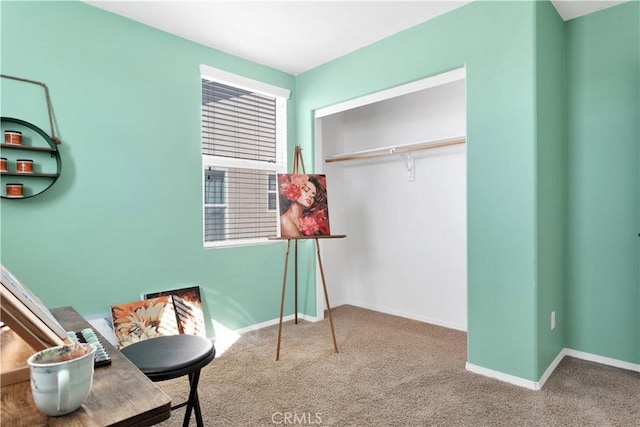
<point>410,164</point>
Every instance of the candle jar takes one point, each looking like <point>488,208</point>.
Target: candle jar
<point>24,166</point>
<point>3,164</point>
<point>12,137</point>
<point>14,190</point>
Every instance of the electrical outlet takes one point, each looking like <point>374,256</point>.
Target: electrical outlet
<point>553,320</point>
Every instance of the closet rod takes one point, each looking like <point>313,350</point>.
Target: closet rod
<point>378,152</point>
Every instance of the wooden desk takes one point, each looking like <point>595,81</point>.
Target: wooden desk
<point>121,394</point>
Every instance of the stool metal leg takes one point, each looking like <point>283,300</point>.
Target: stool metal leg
<point>196,407</point>
<point>198,412</point>
<point>193,401</point>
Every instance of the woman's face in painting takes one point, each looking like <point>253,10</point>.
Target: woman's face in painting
<point>307,195</point>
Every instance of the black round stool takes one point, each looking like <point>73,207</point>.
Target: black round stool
<point>173,356</point>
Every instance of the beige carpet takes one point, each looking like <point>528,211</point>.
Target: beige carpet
<point>392,371</point>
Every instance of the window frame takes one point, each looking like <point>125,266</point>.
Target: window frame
<point>280,166</point>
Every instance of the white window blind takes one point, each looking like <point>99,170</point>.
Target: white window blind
<point>243,147</point>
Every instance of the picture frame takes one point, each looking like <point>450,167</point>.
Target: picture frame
<point>188,305</point>
<point>303,205</point>
<point>140,320</point>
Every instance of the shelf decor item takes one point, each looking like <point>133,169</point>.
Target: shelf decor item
<point>15,190</point>
<point>24,166</point>
<point>12,137</point>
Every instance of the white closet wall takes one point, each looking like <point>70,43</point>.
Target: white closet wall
<point>405,250</point>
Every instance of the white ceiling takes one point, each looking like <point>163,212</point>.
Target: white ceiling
<point>569,9</point>
<point>296,36</point>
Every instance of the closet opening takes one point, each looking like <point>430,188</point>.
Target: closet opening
<point>395,163</point>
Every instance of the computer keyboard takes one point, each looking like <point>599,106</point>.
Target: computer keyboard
<point>88,335</point>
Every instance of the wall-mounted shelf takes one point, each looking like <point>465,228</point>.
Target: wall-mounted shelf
<point>30,175</point>
<point>404,151</point>
<point>26,148</point>
<point>37,146</point>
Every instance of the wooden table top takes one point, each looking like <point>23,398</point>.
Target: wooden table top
<point>121,394</point>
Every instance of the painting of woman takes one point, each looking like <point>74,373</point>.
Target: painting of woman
<point>303,205</point>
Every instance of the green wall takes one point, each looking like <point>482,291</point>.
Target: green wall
<point>552,203</point>
<point>495,41</point>
<point>550,188</point>
<point>521,191</point>
<point>603,285</point>
<point>126,215</point>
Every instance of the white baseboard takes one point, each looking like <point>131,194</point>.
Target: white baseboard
<point>537,385</point>
<point>552,367</point>
<point>507,378</point>
<point>272,322</point>
<point>602,360</point>
<point>406,315</point>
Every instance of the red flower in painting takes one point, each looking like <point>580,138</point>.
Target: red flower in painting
<point>308,226</point>
<point>292,193</point>
<point>299,180</point>
<point>290,185</point>
<point>315,224</point>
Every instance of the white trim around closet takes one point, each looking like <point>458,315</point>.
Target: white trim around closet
<point>426,83</point>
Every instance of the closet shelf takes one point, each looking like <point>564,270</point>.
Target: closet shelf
<point>389,151</point>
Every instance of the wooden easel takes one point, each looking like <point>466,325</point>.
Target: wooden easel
<point>27,332</point>
<point>23,337</point>
<point>299,162</point>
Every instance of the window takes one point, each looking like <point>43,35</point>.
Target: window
<point>272,203</point>
<point>215,206</point>
<point>243,148</point>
